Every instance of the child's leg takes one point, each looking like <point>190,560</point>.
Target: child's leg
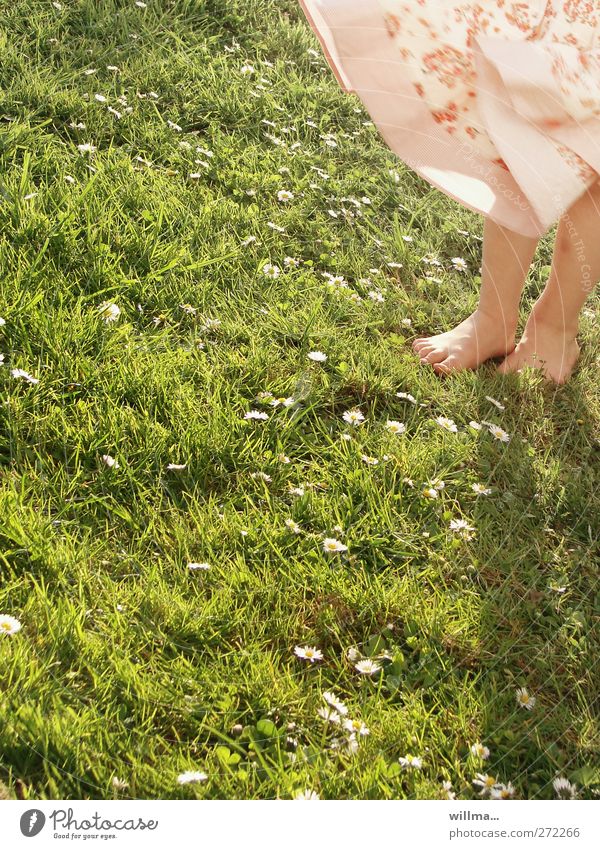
<point>490,330</point>
<point>548,340</point>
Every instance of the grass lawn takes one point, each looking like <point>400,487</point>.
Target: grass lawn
<point>190,206</point>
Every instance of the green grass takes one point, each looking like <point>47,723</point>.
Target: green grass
<point>130,665</point>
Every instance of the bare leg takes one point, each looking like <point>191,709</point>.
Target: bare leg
<point>490,330</point>
<point>549,339</point>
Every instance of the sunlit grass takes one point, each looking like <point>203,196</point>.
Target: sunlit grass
<point>129,665</point>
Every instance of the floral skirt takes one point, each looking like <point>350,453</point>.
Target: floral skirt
<point>494,102</point>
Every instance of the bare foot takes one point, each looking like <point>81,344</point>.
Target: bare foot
<point>553,351</point>
<point>476,339</point>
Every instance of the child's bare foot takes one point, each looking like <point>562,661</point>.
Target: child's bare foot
<point>476,339</point>
<point>553,350</point>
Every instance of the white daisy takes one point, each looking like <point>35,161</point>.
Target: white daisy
<point>176,467</point>
<point>292,526</point>
<point>353,417</point>
<point>198,567</point>
<point>110,461</point>
<point>329,715</point>
<point>191,777</point>
<point>86,148</point>
<point>109,311</point>
<point>480,489</point>
<point>367,667</point>
<point>498,433</point>
<point>285,196</point>
<point>258,415</point>
<point>270,270</point>
<point>410,762</point>
<point>486,782</point>
<point>8,624</point>
<point>503,791</point>
<point>462,527</point>
<point>494,402</point>
<point>330,544</point>
<point>333,701</point>
<point>524,699</point>
<point>447,788</point>
<point>370,461</point>
<point>395,427</point>
<point>478,750</point>
<point>119,784</point>
<point>247,70</point>
<point>317,356</point>
<point>19,372</point>
<point>307,796</point>
<point>308,653</point>
<point>430,492</point>
<point>356,726</point>
<point>406,396</point>
<point>475,425</point>
<point>459,263</point>
<point>447,424</point>
<point>564,789</point>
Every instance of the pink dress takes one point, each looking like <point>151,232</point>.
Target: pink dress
<point>494,102</point>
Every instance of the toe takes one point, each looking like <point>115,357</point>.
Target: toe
<point>448,365</point>
<point>435,356</point>
<point>418,344</point>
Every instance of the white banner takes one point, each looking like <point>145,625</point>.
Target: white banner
<point>273,824</point>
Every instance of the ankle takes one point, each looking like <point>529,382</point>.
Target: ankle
<point>552,321</point>
<point>500,320</point>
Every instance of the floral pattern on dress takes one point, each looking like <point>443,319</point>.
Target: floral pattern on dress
<point>436,41</point>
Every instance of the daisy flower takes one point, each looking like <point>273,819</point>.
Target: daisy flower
<point>119,784</point>
<point>459,263</point>
<point>110,461</point>
<point>406,396</point>
<point>308,653</point>
<point>292,526</point>
<point>475,425</point>
<point>564,789</point>
<point>247,70</point>
<point>370,461</point>
<point>270,270</point>
<point>333,701</point>
<point>503,791</point>
<point>367,667</point>
<point>109,311</point>
<point>19,372</point>
<point>462,527</point>
<point>395,427</point>
<point>306,796</point>
<point>447,788</point>
<point>353,417</point>
<point>524,699</point>
<point>447,424</point>
<point>191,777</point>
<point>86,148</point>
<point>498,433</point>
<point>331,544</point>
<point>284,196</point>
<point>430,492</point>
<point>176,467</point>
<point>317,356</point>
<point>198,567</point>
<point>478,750</point>
<point>480,489</point>
<point>410,762</point>
<point>356,726</point>
<point>495,403</point>
<point>329,715</point>
<point>8,624</point>
<point>486,782</point>
<point>353,654</point>
<point>256,414</point>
